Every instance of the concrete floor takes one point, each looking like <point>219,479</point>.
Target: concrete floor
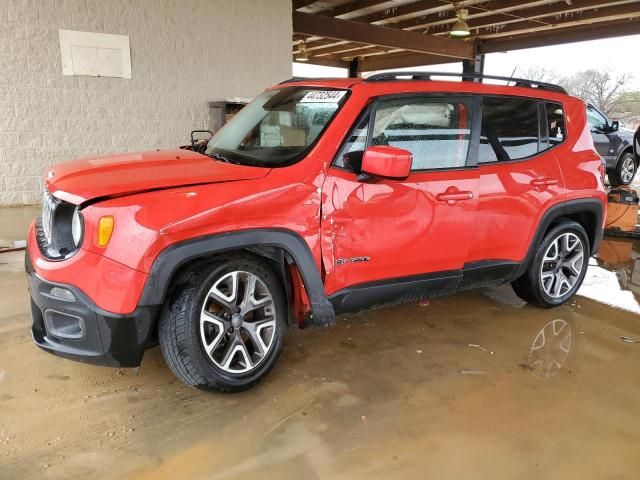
<point>473,386</point>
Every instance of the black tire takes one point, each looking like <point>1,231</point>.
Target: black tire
<point>619,175</point>
<point>529,286</point>
<point>179,328</point>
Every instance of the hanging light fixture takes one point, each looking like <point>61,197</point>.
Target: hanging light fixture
<point>461,29</point>
<point>302,55</point>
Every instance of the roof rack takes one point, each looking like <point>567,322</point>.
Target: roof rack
<point>311,79</point>
<point>519,82</point>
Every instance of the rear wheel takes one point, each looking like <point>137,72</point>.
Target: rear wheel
<point>558,267</point>
<point>624,172</point>
<point>224,328</point>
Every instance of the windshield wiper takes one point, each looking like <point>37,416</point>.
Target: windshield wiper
<point>217,156</point>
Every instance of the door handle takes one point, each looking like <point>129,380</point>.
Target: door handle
<point>452,196</point>
<point>544,182</point>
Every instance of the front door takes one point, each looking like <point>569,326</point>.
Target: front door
<point>411,230</point>
<point>599,125</point>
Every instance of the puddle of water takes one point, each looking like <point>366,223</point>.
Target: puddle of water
<point>613,277</point>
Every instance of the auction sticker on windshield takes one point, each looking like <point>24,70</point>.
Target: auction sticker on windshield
<point>323,96</point>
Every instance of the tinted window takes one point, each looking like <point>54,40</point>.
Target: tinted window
<point>435,131</point>
<point>595,119</point>
<point>555,124</point>
<point>510,129</point>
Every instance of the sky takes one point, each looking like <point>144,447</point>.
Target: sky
<point>619,54</point>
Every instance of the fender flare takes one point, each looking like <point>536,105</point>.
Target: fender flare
<point>586,205</point>
<point>173,257</point>
<point>627,149</point>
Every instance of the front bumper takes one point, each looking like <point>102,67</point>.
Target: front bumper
<point>66,322</point>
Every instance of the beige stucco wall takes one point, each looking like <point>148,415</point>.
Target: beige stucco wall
<point>184,53</point>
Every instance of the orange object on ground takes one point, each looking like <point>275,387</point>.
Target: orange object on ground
<point>622,210</point>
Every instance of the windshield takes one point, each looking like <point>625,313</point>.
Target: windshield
<point>277,127</point>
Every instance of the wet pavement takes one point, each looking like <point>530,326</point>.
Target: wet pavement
<point>473,386</point>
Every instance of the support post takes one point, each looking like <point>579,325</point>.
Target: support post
<point>354,67</point>
<point>475,66</point>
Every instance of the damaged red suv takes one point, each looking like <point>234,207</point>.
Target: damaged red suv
<point>320,197</point>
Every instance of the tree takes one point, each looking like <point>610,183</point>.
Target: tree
<point>597,86</point>
<point>537,73</point>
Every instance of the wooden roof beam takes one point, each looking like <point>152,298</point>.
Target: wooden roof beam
<point>557,37</point>
<point>534,16</point>
<point>399,60</point>
<point>605,14</point>
<point>385,37</point>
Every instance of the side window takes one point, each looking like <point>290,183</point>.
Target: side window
<point>435,130</point>
<point>555,124</point>
<point>510,129</point>
<point>350,155</point>
<point>597,122</point>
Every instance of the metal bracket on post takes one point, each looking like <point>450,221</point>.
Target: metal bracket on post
<point>354,67</point>
<point>474,66</point>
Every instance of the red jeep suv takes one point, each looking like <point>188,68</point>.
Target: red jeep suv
<point>320,197</point>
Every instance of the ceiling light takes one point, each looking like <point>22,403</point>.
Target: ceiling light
<point>302,55</point>
<point>461,28</point>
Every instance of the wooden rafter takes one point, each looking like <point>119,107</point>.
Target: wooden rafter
<point>386,37</point>
<point>557,37</point>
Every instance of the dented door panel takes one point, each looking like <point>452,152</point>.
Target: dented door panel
<point>390,229</point>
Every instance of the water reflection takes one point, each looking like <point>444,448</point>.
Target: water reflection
<point>550,348</point>
<point>613,276</point>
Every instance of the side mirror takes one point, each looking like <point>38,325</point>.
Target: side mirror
<point>387,162</point>
<point>615,125</point>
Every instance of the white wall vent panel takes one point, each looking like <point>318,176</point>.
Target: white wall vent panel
<point>95,54</point>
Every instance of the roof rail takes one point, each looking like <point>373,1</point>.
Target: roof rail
<point>519,82</point>
<point>311,79</point>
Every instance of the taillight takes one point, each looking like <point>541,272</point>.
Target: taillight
<point>603,169</point>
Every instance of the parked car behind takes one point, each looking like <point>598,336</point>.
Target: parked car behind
<point>615,146</point>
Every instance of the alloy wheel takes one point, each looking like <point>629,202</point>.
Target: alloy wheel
<point>628,170</point>
<point>237,322</point>
<point>562,265</point>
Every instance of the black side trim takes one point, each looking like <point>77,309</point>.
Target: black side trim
<point>172,258</point>
<point>395,291</point>
<point>486,273</point>
<point>586,205</point>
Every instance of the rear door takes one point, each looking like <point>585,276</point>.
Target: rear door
<point>519,179</point>
<point>386,230</point>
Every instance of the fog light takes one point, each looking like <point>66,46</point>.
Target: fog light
<point>62,294</point>
<point>105,229</point>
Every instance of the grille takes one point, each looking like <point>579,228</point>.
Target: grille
<point>49,205</point>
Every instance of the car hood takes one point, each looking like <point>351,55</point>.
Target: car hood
<point>82,180</point>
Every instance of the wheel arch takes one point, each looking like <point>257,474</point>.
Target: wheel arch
<point>588,212</point>
<point>628,149</point>
<point>271,244</point>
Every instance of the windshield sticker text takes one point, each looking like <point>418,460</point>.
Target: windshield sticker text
<point>323,96</point>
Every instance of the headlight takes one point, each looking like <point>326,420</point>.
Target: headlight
<point>76,228</point>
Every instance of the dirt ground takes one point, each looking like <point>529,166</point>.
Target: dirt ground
<point>473,386</point>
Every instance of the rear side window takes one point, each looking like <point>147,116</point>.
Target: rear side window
<point>555,124</point>
<point>510,129</point>
<point>518,128</point>
<point>436,131</point>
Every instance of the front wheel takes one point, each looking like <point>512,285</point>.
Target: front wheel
<point>624,171</point>
<point>223,329</point>
<point>558,267</point>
